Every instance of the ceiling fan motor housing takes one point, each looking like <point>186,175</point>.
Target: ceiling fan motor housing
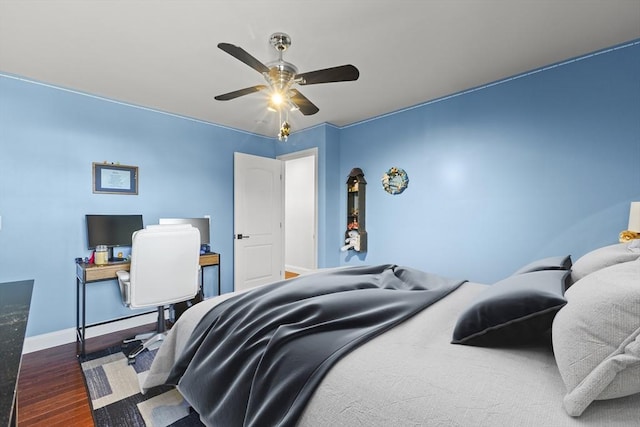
<point>281,75</point>
<point>280,41</point>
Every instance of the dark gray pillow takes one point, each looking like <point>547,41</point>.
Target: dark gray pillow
<point>515,311</point>
<point>551,263</point>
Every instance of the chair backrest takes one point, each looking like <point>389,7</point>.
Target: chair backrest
<point>164,265</point>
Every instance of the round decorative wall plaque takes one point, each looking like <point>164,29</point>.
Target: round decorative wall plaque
<point>395,181</point>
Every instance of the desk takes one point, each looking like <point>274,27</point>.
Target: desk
<point>15,300</point>
<point>90,273</point>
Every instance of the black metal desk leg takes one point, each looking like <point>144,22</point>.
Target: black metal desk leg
<point>219,282</point>
<point>84,318</point>
<point>77,316</point>
<point>81,313</point>
<point>201,284</point>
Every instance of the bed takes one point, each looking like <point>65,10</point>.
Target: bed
<point>458,363</point>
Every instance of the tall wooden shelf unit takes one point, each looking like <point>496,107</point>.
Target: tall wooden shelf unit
<point>356,206</point>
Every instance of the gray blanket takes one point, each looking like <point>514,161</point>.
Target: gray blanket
<point>255,359</point>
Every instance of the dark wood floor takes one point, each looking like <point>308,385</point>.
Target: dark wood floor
<point>51,390</point>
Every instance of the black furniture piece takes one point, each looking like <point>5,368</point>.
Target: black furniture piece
<point>15,300</point>
<point>356,208</point>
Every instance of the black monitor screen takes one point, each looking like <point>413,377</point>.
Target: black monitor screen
<point>112,230</point>
<point>202,224</point>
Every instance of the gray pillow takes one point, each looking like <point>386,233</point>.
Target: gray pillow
<point>515,311</point>
<point>596,337</point>
<point>551,263</point>
<point>601,258</point>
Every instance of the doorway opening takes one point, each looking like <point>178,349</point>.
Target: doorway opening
<point>300,207</point>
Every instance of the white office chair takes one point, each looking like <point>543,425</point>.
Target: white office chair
<point>164,270</point>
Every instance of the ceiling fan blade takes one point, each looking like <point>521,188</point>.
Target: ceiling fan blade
<point>242,55</point>
<point>305,106</point>
<point>343,73</point>
<point>241,92</point>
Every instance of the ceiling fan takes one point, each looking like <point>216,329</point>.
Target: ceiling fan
<point>281,76</point>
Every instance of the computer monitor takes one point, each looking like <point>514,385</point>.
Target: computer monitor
<point>111,230</point>
<point>202,224</point>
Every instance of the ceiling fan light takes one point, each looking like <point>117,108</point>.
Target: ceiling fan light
<point>277,98</point>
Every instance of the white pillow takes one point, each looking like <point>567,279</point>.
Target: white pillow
<point>596,337</point>
<point>601,258</point>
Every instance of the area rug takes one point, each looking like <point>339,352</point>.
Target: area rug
<point>114,392</point>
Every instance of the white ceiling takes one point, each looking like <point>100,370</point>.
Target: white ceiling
<point>163,55</point>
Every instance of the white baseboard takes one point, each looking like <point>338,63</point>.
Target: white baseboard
<point>66,336</point>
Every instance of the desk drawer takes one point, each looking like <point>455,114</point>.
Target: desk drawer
<point>209,259</point>
<point>92,273</point>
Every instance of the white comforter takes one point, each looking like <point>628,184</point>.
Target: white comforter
<point>413,376</point>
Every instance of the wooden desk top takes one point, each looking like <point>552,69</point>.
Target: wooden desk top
<point>94,273</point>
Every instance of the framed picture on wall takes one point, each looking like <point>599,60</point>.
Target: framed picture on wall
<point>115,179</point>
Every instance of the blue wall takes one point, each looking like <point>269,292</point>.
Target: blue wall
<point>539,165</point>
<point>49,139</point>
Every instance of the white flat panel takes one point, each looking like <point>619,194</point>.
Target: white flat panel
<point>260,267</point>
<point>259,254</point>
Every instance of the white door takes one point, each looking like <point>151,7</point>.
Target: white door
<point>258,247</point>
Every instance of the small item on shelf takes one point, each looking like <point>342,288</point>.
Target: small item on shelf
<point>352,241</point>
<point>101,255</point>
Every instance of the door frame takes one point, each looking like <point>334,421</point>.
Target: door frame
<point>310,152</point>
